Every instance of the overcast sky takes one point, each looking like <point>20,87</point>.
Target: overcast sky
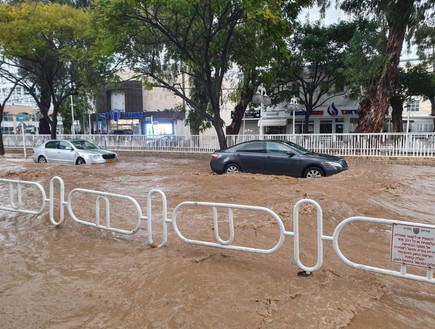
<point>334,15</point>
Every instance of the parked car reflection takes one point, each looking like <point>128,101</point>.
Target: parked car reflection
<point>275,157</point>
<point>75,151</point>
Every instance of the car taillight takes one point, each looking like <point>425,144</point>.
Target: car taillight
<point>215,155</point>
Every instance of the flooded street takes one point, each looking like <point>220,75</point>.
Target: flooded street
<point>76,276</point>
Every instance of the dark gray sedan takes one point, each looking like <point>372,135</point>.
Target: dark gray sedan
<point>275,157</point>
<point>74,151</point>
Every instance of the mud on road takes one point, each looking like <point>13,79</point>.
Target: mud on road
<point>78,277</point>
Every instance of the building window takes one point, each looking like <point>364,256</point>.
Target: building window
<point>8,116</point>
<point>299,127</point>
<point>353,124</point>
<point>7,130</point>
<point>326,127</point>
<point>413,105</point>
<point>426,127</point>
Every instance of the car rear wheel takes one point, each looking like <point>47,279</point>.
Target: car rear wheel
<point>42,159</point>
<point>232,168</point>
<point>313,172</point>
<point>80,161</point>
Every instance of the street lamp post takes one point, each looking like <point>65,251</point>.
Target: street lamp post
<point>72,116</point>
<point>293,108</point>
<point>261,98</point>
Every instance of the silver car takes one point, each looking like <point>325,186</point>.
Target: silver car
<point>74,151</point>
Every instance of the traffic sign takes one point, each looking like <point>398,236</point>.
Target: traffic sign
<point>21,117</point>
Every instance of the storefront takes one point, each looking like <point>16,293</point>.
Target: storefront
<point>331,119</point>
<point>142,123</point>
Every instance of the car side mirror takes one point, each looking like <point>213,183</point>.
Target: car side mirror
<point>290,154</point>
<point>69,148</point>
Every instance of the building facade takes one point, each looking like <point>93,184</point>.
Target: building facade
<point>145,112</point>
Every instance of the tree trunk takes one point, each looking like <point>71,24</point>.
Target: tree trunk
<point>217,124</point>
<point>308,112</point>
<point>2,147</point>
<point>396,115</point>
<point>239,112</point>
<point>53,125</point>
<point>372,119</point>
<point>363,113</point>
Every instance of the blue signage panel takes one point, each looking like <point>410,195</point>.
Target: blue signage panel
<point>116,115</point>
<point>21,117</point>
<point>132,115</point>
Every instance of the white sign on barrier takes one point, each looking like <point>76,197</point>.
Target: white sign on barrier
<point>413,245</point>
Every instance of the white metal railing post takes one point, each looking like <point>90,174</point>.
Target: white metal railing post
<point>319,235</point>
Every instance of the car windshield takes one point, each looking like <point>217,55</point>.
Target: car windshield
<point>84,145</point>
<point>298,148</point>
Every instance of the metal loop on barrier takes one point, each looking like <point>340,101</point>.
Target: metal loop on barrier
<point>105,196</point>
<point>230,223</point>
<point>16,196</point>
<point>319,235</point>
<point>164,218</point>
<point>97,210</point>
<point>225,245</point>
<point>61,201</point>
<point>16,199</point>
<point>402,273</point>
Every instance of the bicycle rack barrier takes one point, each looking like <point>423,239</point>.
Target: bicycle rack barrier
<point>405,242</point>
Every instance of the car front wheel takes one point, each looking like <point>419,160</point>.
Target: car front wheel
<point>80,161</point>
<point>42,159</point>
<point>232,168</point>
<point>313,173</point>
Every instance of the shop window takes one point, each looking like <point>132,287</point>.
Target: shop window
<point>325,127</point>
<point>299,127</point>
<point>353,125</point>
<point>275,130</point>
<point>339,126</point>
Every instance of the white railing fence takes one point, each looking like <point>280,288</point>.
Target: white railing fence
<point>414,246</point>
<point>413,145</point>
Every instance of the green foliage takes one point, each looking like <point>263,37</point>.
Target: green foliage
<point>317,55</point>
<point>417,81</point>
<point>202,39</point>
<point>195,120</point>
<point>53,48</point>
<point>366,57</point>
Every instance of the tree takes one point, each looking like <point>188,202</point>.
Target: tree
<point>417,81</point>
<point>51,46</point>
<point>399,16</point>
<point>196,122</point>
<point>315,71</point>
<point>157,36</point>
<point>425,41</point>
<point>2,107</point>
<point>259,45</point>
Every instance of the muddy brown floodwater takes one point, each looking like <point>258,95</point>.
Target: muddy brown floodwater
<point>76,276</point>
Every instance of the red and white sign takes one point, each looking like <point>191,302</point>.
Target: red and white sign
<point>413,245</point>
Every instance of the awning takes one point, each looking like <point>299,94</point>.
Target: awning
<point>273,122</point>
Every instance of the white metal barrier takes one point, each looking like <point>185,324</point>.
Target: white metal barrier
<point>403,268</point>
<point>103,199</point>
<point>16,196</point>
<point>228,244</point>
